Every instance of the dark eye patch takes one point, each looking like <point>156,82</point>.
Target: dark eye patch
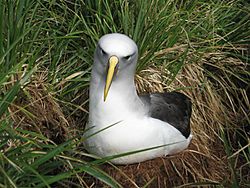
<point>102,51</point>
<point>128,57</point>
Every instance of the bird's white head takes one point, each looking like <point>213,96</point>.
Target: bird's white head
<point>115,58</point>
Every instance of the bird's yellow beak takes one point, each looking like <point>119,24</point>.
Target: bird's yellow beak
<point>113,61</point>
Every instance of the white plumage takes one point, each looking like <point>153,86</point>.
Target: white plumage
<point>133,127</point>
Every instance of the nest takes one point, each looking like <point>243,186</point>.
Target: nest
<point>205,160</point>
<point>37,110</point>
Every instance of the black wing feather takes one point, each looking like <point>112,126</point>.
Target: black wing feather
<point>172,107</point>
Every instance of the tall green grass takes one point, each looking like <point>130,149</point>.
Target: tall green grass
<point>57,39</point>
<point>32,42</point>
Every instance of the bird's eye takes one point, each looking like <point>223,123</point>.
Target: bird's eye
<point>127,57</point>
<point>103,52</point>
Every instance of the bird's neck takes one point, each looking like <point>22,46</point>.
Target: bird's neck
<point>122,101</point>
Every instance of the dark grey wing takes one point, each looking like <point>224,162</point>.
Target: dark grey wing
<point>174,108</point>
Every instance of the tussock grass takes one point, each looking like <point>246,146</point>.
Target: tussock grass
<point>196,47</point>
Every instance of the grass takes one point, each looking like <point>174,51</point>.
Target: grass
<point>197,47</point>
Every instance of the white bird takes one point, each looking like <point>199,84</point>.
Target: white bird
<point>138,121</point>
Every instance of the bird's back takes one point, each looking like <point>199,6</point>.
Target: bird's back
<point>172,107</point>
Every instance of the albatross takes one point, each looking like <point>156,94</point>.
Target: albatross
<point>120,120</point>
